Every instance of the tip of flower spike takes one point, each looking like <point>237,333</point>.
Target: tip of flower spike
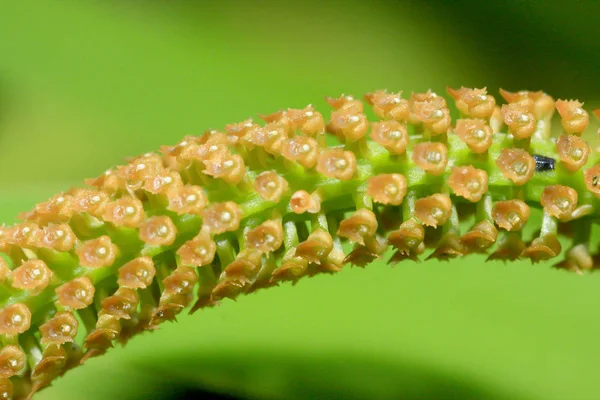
<point>76,294</point>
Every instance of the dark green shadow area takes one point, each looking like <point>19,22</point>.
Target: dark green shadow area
<point>334,375</point>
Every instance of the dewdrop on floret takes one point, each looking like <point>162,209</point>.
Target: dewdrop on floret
<point>222,217</point>
<point>521,123</point>
<point>266,237</point>
<point>480,237</point>
<point>434,115</point>
<point>511,215</point>
<point>57,237</point>
<point>14,319</point>
<point>572,151</point>
<point>387,188</point>
<point>60,329</point>
<point>475,133</point>
<point>158,231</point>
<point>359,227</point>
<point>12,361</point>
<point>270,186</point>
<point>337,163</point>
<point>304,150</point>
<point>433,210</point>
<point>390,106</point>
<point>302,201</point>
<point>316,247</point>
<point>473,103</point>
<point>516,165</point>
<point>349,124</point>
<point>76,294</point>
<point>390,134</point>
<point>468,182</point>
<point>128,211</point>
<point>574,118</point>
<point>307,120</point>
<point>431,157</point>
<point>122,304</point>
<point>559,201</point>
<point>97,253</point>
<point>345,102</point>
<point>32,275</point>
<point>137,273</point>
<point>188,199</point>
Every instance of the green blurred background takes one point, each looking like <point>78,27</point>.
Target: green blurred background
<point>85,83</point>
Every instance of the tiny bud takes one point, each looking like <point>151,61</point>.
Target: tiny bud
<point>433,210</point>
<point>572,151</point>
<point>127,211</point>
<point>387,188</point>
<point>270,186</point>
<point>559,201</point>
<point>480,237</point>
<point>266,237</point>
<point>222,217</point>
<point>60,329</point>
<point>97,253</point>
<point>511,215</point>
<point>188,199</point>
<point>591,177</point>
<point>316,247</point>
<point>304,150</point>
<point>137,273</point>
<point>359,227</point>
<point>574,118</point>
<point>516,165</point>
<point>521,123</point>
<point>158,231</point>
<point>14,319</point>
<point>76,294</point>
<point>389,106</point>
<point>307,120</point>
<point>32,275</point>
<point>468,182</point>
<point>199,251</point>
<point>431,157</point>
<point>475,133</point>
<point>122,304</point>
<point>12,361</point>
<point>302,202</point>
<point>337,164</point>
<point>473,103</point>
<point>390,134</point>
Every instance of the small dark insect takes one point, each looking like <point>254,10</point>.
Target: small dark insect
<point>543,163</point>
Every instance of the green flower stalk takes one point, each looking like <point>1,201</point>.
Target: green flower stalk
<point>227,213</point>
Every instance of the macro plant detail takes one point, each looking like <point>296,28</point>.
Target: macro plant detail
<point>233,211</point>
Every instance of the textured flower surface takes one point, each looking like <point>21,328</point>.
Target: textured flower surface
<point>226,213</point>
